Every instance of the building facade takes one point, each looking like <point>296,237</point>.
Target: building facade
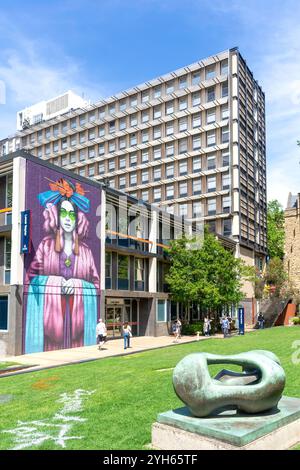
<point>73,250</point>
<point>192,142</point>
<point>292,239</point>
<point>9,145</point>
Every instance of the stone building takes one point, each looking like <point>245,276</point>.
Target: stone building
<point>292,239</point>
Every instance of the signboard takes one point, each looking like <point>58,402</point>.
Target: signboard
<point>115,301</point>
<point>25,231</point>
<point>241,317</point>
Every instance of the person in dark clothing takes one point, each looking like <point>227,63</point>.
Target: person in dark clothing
<point>261,321</point>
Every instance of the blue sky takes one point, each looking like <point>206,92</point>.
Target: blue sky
<point>101,47</point>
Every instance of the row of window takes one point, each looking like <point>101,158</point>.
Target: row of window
<point>196,209</point>
<point>123,272</point>
<point>171,170</point>
<point>226,227</point>
<point>211,184</point>
<point>205,139</point>
<point>162,130</point>
<point>204,208</point>
<point>170,127</point>
<point>170,149</point>
<point>133,120</point>
<point>173,191</point>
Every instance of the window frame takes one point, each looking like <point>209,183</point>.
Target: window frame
<point>7,314</point>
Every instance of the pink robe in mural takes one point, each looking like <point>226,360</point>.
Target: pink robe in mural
<point>48,262</point>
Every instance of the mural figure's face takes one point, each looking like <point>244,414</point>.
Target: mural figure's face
<point>67,217</point>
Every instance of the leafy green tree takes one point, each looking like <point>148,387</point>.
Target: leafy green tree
<point>210,276</point>
<point>275,226</point>
<point>275,275</point>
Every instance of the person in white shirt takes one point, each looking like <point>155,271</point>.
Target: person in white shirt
<point>101,332</point>
<point>127,335</point>
<point>206,326</point>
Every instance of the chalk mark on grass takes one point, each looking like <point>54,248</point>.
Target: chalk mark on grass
<point>56,429</point>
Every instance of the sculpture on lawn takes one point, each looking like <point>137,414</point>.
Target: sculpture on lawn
<point>256,389</point>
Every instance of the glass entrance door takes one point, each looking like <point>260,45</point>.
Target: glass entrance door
<point>114,320</point>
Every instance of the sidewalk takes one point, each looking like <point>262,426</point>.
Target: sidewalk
<point>115,347</point>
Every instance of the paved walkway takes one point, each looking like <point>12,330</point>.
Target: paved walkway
<point>115,347</point>
<point>43,360</point>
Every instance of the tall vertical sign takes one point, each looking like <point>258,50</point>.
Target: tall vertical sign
<point>241,317</point>
<point>25,232</point>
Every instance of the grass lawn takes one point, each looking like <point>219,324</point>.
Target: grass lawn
<point>129,392</point>
<point>5,365</point>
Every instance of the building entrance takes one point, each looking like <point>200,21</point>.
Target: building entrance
<point>114,320</point>
<point>118,311</point>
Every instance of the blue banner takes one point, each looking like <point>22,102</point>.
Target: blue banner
<point>241,316</point>
<point>25,232</point>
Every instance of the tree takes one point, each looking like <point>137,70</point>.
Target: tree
<point>275,226</point>
<point>274,282</point>
<point>275,276</point>
<point>210,276</point>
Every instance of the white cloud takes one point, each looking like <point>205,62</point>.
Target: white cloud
<point>28,80</point>
<point>31,76</point>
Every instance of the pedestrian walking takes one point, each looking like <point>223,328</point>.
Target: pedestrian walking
<point>225,326</point>
<point>176,331</point>
<point>206,326</point>
<point>230,325</point>
<point>179,327</point>
<point>101,333</point>
<point>127,334</point>
<point>261,321</point>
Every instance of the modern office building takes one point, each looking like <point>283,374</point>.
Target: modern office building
<point>292,239</point>
<point>72,250</point>
<point>191,142</point>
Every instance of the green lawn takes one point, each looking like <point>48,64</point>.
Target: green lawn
<point>129,392</point>
<point>5,365</point>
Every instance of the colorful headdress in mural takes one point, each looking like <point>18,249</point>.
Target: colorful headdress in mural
<point>65,189</point>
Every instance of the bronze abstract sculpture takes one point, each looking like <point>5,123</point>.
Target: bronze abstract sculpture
<point>256,389</point>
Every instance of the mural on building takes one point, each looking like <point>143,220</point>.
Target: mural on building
<point>61,280</point>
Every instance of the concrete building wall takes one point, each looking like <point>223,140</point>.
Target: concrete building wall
<point>247,256</point>
<point>250,310</point>
<point>11,340</point>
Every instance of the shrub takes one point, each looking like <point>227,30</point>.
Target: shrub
<point>192,328</point>
<point>296,320</point>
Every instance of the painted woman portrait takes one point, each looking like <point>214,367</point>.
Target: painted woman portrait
<point>62,280</point>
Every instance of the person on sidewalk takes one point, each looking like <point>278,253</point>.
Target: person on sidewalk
<point>261,321</point>
<point>179,327</point>
<point>230,325</point>
<point>101,333</point>
<point>206,327</point>
<point>225,326</point>
<point>127,335</point>
<point>176,331</point>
